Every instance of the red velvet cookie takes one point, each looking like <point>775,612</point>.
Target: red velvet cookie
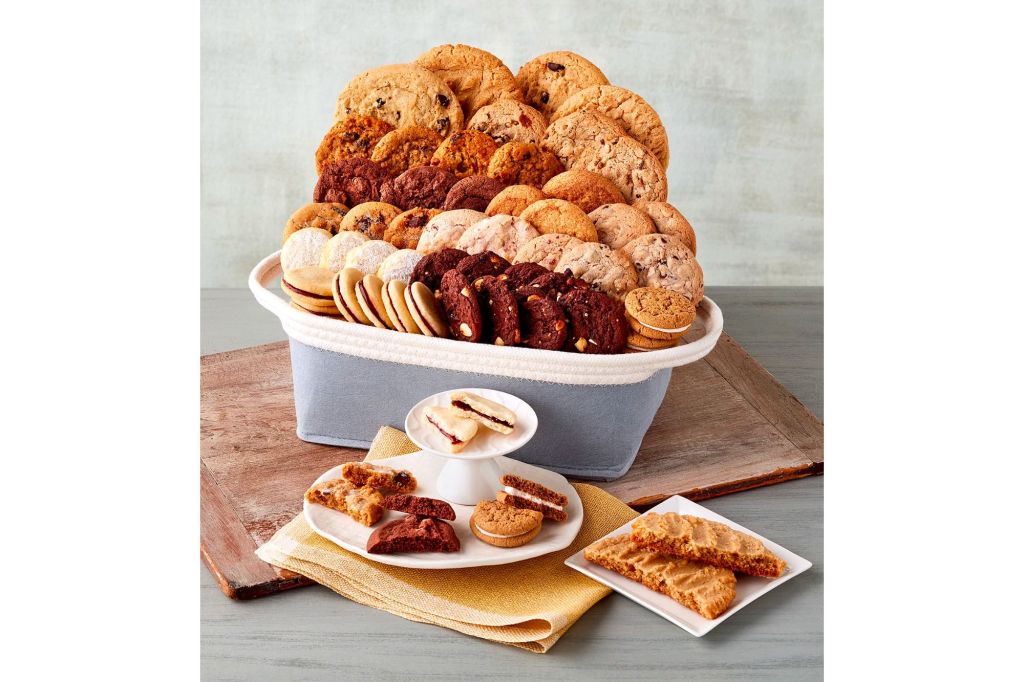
<point>598,321</point>
<point>350,181</point>
<point>431,268</point>
<point>500,311</point>
<point>419,187</point>
<point>461,307</point>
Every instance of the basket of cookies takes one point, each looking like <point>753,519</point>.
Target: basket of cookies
<point>474,227</point>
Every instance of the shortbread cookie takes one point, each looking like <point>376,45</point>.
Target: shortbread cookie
<point>561,217</point>
<point>521,274</point>
<point>512,200</point>
<point>413,534</point>
<point>502,234</point>
<point>370,218</point>
<point>350,181</point>
<point>546,250</point>
<point>600,266</point>
<point>444,229</point>
<point>385,479</point>
<point>465,153</point>
<point>711,542</point>
<point>433,266</point>
<point>509,121</point>
<point>405,148</point>
<point>456,430</point>
<point>548,80</point>
<point>542,323</point>
<point>628,109</point>
<point>399,265</point>
<point>494,416</point>
<point>705,589</point>
<point>352,136</point>
<point>476,76</point>
<point>597,321</point>
<point>526,494</point>
<point>404,231</point>
<point>501,316</point>
<point>619,224</point>
<point>425,310</point>
<point>343,289</point>
<point>334,252</point>
<point>583,188</point>
<point>504,526</point>
<point>326,216</point>
<point>310,289</point>
<point>660,314</point>
<point>484,264</point>
<point>668,220</point>
<point>362,504</point>
<point>461,307</point>
<point>523,163</point>
<point>370,295</point>
<point>420,506</point>
<point>419,187</point>
<point>475,192</point>
<point>403,95</point>
<point>302,249</point>
<point>366,258</point>
<point>665,262</point>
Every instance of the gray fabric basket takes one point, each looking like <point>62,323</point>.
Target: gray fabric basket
<point>592,410</point>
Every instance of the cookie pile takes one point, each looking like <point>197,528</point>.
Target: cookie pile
<point>553,167</point>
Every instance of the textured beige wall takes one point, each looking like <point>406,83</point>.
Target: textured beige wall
<point>738,85</point>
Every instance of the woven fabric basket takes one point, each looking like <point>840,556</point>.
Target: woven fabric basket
<point>593,410</point>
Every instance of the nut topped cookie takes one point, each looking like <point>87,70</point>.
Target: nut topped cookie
<point>664,261</point>
<point>510,121</point>
<point>668,220</point>
<point>513,199</point>
<point>419,187</point>
<point>556,215</point>
<point>370,218</point>
<point>404,231</point>
<point>500,309</point>
<point>522,163</point>
<point>628,109</point>
<point>326,216</point>
<point>433,266</point>
<point>598,321</point>
<point>600,266</point>
<point>459,300</point>
<point>465,153</point>
<point>476,76</point>
<point>542,323</point>
<point>402,95</point>
<point>619,224</point>
<point>548,80</point>
<point>351,136</point>
<point>483,264</point>
<point>405,148</point>
<point>583,188</point>
<point>350,181</point>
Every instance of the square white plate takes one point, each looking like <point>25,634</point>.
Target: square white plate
<point>748,588</point>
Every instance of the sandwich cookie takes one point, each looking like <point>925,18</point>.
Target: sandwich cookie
<point>298,307</point>
<point>396,308</point>
<point>368,293</point>
<point>456,429</point>
<point>424,309</point>
<point>303,248</point>
<point>640,342</point>
<point>525,494</point>
<point>494,416</point>
<point>343,289</point>
<point>310,288</point>
<point>504,526</point>
<point>659,314</point>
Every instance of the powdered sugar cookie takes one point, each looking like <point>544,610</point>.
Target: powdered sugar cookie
<point>367,257</point>
<point>399,265</point>
<point>302,249</point>
<point>332,257</point>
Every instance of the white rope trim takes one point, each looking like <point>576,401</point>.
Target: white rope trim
<point>369,342</point>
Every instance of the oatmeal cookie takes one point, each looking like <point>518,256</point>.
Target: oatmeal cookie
<point>476,76</point>
<point>548,80</point>
<point>664,261</point>
<point>556,215</point>
<point>405,148</point>
<point>350,181</point>
<point>404,231</point>
<point>326,216</point>
<point>513,199</point>
<point>370,218</point>
<point>619,224</point>
<point>419,187</point>
<point>465,153</point>
<point>600,266</point>
<point>509,121</point>
<point>583,188</point>
<point>521,163</point>
<point>403,95</point>
<point>352,136</point>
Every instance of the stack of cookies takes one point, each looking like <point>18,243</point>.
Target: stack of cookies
<point>553,167</point>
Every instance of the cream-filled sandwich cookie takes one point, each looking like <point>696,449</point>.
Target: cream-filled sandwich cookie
<point>456,429</point>
<point>493,415</point>
<point>425,311</point>
<point>368,293</point>
<point>343,289</point>
<point>504,526</point>
<point>660,314</point>
<point>526,494</point>
<point>310,288</point>
<point>397,309</point>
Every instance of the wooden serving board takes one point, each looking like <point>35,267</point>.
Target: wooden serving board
<point>726,425</point>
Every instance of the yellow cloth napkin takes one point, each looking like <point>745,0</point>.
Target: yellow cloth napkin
<point>528,604</point>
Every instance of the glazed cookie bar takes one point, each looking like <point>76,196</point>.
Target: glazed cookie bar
<point>361,503</point>
<point>380,477</point>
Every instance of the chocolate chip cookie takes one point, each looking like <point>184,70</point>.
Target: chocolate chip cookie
<point>405,148</point>
<point>405,229</point>
<point>542,323</point>
<point>600,266</point>
<point>509,121</point>
<point>628,109</point>
<point>402,95</point>
<point>352,136</point>
<point>551,285</point>
<point>521,274</point>
<point>548,80</point>
<point>597,320</point>
<point>619,224</point>
<point>474,192</point>
<point>350,181</point>
<point>476,76</point>
<point>465,153</point>
<point>481,265</point>
<point>513,199</point>
<point>500,310</point>
<point>326,216</point>
<point>668,220</point>
<point>370,218</point>
<point>583,188</point>
<point>664,261</point>
<point>461,307</point>
<point>419,187</point>
<point>431,268</point>
<point>523,163</point>
<point>556,215</point>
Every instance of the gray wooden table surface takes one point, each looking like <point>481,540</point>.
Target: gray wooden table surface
<point>313,634</point>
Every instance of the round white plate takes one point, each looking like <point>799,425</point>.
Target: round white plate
<point>486,443</point>
<point>343,531</point>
